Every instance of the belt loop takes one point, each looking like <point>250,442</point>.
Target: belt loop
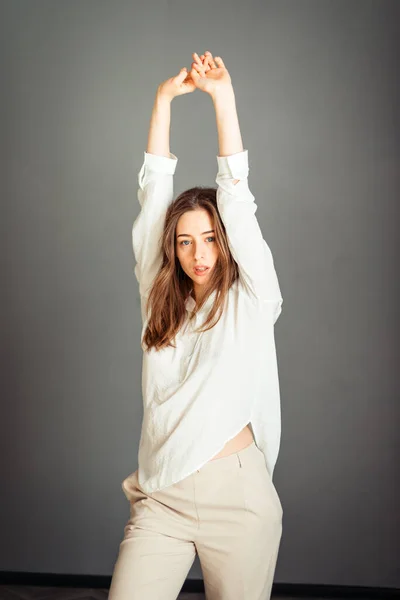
<point>240,462</point>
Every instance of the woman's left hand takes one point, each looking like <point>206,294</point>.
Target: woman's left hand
<point>210,75</point>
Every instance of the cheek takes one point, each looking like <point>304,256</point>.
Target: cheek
<point>182,257</point>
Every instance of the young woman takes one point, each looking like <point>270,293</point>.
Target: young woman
<point>211,424</point>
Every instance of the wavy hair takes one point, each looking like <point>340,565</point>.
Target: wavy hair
<point>172,286</point>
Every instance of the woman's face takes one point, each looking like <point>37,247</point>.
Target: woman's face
<point>195,244</point>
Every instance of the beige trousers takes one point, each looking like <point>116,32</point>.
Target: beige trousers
<point>228,512</point>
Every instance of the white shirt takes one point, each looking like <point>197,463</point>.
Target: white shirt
<point>202,393</point>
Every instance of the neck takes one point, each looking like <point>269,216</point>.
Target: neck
<point>197,294</point>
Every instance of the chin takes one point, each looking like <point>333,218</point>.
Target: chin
<point>199,279</point>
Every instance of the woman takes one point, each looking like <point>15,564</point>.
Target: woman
<point>211,424</point>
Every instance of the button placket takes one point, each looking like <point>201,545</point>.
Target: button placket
<point>190,346</point>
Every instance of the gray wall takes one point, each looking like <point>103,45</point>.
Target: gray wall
<point>318,99</point>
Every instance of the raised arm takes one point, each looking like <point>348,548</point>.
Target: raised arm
<point>237,207</point>
<point>155,192</point>
<point>160,123</point>
<point>235,201</point>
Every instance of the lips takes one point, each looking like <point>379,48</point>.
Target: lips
<point>203,270</point>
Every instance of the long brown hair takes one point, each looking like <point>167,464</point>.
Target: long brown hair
<point>172,286</point>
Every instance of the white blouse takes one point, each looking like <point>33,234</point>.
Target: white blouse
<point>202,393</point>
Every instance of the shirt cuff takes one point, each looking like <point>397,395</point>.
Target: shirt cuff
<point>160,164</point>
<point>234,165</point>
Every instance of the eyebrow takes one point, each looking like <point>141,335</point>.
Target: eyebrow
<point>188,235</point>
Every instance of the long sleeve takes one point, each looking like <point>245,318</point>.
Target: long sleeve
<point>237,207</point>
<point>155,194</point>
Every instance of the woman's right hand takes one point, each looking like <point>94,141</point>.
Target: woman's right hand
<point>177,86</point>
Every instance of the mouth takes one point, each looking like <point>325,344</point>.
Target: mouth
<point>201,272</point>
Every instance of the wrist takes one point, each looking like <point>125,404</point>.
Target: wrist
<point>223,95</point>
<point>162,98</point>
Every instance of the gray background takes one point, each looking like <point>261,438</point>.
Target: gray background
<point>317,92</point>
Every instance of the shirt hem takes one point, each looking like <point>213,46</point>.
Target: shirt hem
<point>247,421</point>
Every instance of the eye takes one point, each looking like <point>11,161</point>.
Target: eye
<point>208,238</point>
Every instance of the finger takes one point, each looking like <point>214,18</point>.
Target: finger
<point>210,60</point>
<point>219,61</point>
<point>206,65</point>
<point>199,69</point>
<point>182,73</point>
<point>198,63</point>
<point>197,58</point>
<point>194,74</point>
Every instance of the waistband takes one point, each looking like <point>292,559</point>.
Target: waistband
<point>240,458</point>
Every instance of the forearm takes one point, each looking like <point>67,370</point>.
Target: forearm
<point>158,139</point>
<point>229,137</point>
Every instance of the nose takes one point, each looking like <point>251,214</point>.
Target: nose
<point>199,251</point>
